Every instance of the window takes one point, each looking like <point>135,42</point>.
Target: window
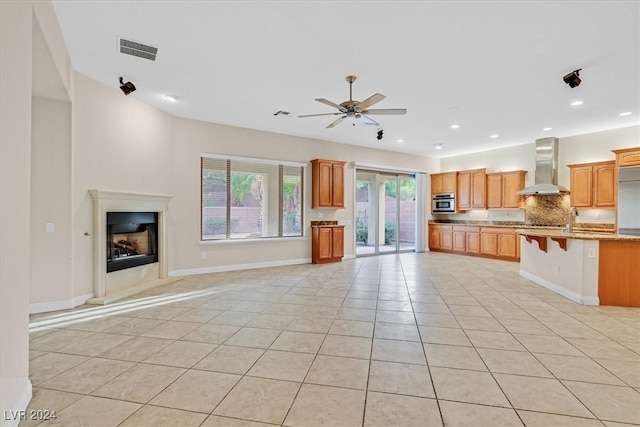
<point>250,198</point>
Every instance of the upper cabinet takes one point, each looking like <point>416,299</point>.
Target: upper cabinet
<point>442,183</point>
<point>628,157</point>
<point>327,183</point>
<point>472,189</point>
<point>593,185</point>
<point>502,189</point>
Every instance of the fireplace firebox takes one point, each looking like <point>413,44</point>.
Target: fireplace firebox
<point>132,239</point>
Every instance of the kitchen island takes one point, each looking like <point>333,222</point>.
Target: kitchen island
<point>588,268</point>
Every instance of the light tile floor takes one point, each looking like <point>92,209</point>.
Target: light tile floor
<point>407,340</point>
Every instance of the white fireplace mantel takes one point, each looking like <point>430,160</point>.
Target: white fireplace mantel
<point>120,285</point>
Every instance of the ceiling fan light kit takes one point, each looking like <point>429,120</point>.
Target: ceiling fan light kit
<point>355,109</point>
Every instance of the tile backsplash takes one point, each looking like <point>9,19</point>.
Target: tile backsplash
<point>547,210</point>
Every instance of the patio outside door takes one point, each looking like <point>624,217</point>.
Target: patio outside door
<point>385,212</point>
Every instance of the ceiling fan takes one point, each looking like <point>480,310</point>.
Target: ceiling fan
<point>356,109</point>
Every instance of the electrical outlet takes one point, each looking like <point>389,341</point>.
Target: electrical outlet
<point>320,214</point>
<point>203,255</point>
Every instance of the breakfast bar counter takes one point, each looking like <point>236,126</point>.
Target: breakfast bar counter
<point>587,267</point>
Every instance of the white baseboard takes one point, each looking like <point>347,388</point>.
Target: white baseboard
<point>236,267</point>
<point>11,417</point>
<point>43,307</point>
<point>573,296</point>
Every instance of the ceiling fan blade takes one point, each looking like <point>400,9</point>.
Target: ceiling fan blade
<point>386,111</point>
<point>322,114</point>
<point>367,120</point>
<point>336,122</point>
<point>331,104</point>
<point>370,101</point>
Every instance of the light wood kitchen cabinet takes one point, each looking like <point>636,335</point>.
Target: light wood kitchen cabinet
<point>593,185</point>
<point>502,189</point>
<point>490,242</point>
<point>443,183</point>
<point>472,189</point>
<point>627,157</point>
<point>327,244</point>
<point>327,183</point>
<point>440,237</point>
<point>500,242</point>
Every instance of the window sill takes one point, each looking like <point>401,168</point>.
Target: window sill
<point>261,240</point>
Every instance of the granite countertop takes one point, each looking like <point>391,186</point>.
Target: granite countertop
<point>330,223</point>
<point>577,234</point>
<point>581,227</point>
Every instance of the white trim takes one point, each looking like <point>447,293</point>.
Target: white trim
<point>254,160</point>
<point>43,307</point>
<point>20,405</point>
<point>573,296</point>
<point>380,168</point>
<point>236,267</point>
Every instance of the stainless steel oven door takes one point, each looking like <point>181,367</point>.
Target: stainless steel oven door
<point>443,203</point>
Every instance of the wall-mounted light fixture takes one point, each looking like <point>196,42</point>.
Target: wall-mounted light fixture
<point>573,79</point>
<point>127,87</point>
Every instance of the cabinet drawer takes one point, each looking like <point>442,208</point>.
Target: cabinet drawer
<point>466,229</point>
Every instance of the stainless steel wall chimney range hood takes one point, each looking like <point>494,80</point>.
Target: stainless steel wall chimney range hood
<point>546,181</point>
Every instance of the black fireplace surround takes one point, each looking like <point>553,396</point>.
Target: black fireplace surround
<point>132,239</point>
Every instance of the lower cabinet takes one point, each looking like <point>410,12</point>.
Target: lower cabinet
<point>327,244</point>
<point>490,242</point>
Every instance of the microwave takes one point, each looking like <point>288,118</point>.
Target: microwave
<point>443,203</point>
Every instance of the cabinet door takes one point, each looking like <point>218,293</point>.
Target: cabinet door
<point>459,241</point>
<point>581,186</point>
<point>507,245</point>
<point>322,184</point>
<point>478,189</point>
<point>325,247</point>
<point>434,238</point>
<point>463,195</point>
<point>446,240</point>
<point>494,191</point>
<point>604,185</point>
<point>512,182</point>
<point>473,242</point>
<point>337,244</point>
<point>337,194</point>
<point>628,157</point>
<point>449,182</point>
<point>436,184</point>
<point>489,243</point>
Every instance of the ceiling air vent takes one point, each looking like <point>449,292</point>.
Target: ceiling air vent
<point>138,49</point>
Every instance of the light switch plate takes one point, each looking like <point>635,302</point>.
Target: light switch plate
<point>49,227</point>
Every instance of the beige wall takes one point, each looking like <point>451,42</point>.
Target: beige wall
<point>50,252</point>
<point>15,134</point>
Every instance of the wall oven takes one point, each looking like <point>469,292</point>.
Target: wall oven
<point>443,203</point>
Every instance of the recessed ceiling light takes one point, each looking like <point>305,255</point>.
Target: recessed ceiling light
<point>400,140</point>
<point>626,113</point>
<point>171,98</point>
<point>494,136</point>
<point>455,126</point>
<point>437,146</point>
<point>576,103</point>
<point>546,128</point>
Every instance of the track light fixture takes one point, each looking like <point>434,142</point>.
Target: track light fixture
<point>573,79</point>
<point>379,134</point>
<point>127,87</point>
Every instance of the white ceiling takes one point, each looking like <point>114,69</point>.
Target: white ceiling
<point>493,67</point>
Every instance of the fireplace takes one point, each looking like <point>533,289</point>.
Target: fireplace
<point>131,239</point>
<point>130,244</point>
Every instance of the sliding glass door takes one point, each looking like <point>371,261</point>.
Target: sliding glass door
<point>385,212</point>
